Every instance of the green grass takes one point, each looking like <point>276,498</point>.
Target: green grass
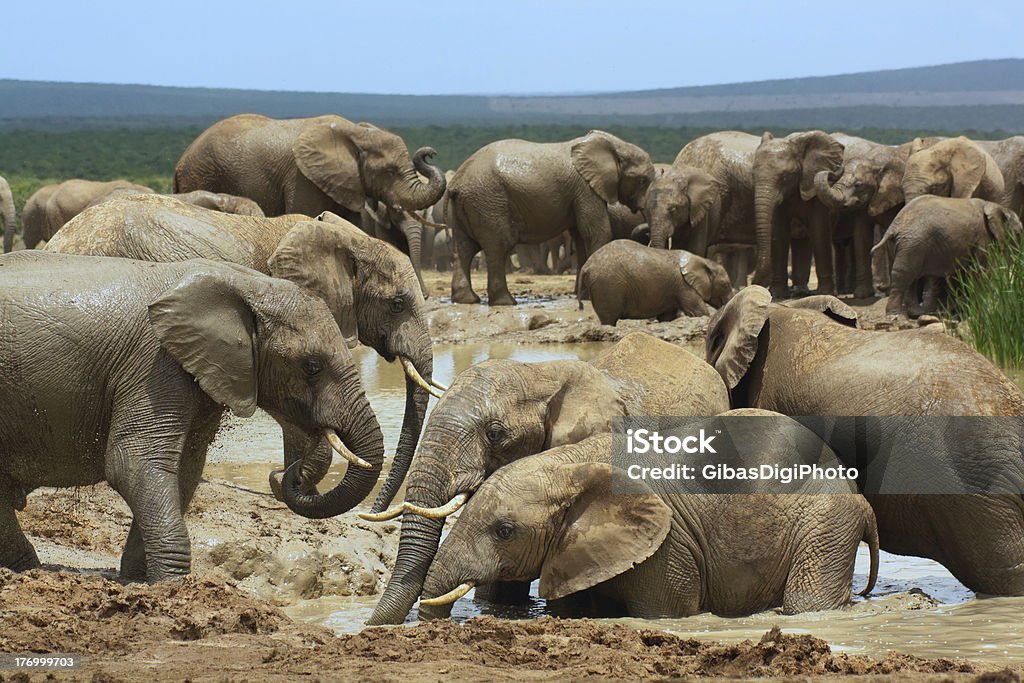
<point>987,295</point>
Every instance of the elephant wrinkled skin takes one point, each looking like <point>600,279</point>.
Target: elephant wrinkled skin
<point>51,206</point>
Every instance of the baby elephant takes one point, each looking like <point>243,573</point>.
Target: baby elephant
<point>625,279</point>
<point>929,236</point>
<point>653,547</point>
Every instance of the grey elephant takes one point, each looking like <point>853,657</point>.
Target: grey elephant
<point>142,378</point>
<point>51,206</point>
<point>955,167</point>
<point>1009,157</point>
<point>811,360</point>
<point>8,213</point>
<point>369,286</point>
<point>624,279</point>
<point>500,411</point>
<point>576,518</point>
<point>309,166</point>
<point>518,192</point>
<point>406,231</point>
<point>216,201</point>
<point>930,236</point>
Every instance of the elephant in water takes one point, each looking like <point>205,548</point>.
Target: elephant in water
<point>809,359</point>
<point>121,371</point>
<point>628,280</point>
<point>580,518</point>
<point>369,286</point>
<point>518,192</point>
<point>308,166</point>
<point>51,206</point>
<point>500,411</point>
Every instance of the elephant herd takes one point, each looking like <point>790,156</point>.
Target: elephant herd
<point>147,317</point>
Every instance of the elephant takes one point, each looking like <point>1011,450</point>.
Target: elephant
<point>441,252</point>
<point>50,207</point>
<point>1009,157</point>
<point>628,280</point>
<point>500,411</point>
<point>809,359</point>
<point>576,517</point>
<point>955,167</point>
<point>369,286</point>
<point>308,166</point>
<point>406,231</point>
<point>8,213</point>
<point>216,201</point>
<point>124,370</point>
<point>518,192</point>
<point>931,235</point>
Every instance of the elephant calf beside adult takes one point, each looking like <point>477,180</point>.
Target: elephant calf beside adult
<point>51,206</point>
<point>516,191</point>
<point>369,286</point>
<point>129,388</point>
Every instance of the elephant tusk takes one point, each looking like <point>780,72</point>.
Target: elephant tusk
<point>391,513</point>
<point>411,373</point>
<point>449,597</point>
<point>341,449</point>
<point>275,483</point>
<point>424,221</point>
<point>437,385</point>
<point>440,512</point>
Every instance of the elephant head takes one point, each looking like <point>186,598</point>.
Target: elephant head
<point>678,202</point>
<point>736,332</point>
<point>494,413</point>
<point>252,341</point>
<point>782,168</point>
<point>401,228</point>
<point>956,167</point>
<point>353,162</point>
<point>616,170</point>
<point>872,180</point>
<point>549,516</point>
<point>373,295</point>
<point>7,212</point>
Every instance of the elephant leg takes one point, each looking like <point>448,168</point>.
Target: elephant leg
<point>863,240</point>
<point>779,257</point>
<point>802,257</point>
<point>15,550</point>
<point>498,293</point>
<point>930,295</point>
<point>822,568</point>
<point>465,249</point>
<point>820,232</point>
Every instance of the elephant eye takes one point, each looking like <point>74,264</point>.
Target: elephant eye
<point>312,366</point>
<point>495,433</point>
<point>397,303</point>
<point>504,530</point>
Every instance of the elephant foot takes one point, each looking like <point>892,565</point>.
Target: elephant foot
<point>831,291</point>
<point>23,561</point>
<point>779,291</point>
<point>798,291</point>
<point>465,298</point>
<point>505,299</point>
<point>864,292</point>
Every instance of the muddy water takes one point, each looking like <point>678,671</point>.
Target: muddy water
<point>917,607</point>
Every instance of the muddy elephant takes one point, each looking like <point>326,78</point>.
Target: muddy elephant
<point>811,360</point>
<point>369,286</point>
<point>1009,157</point>
<point>579,518</point>
<point>955,167</point>
<point>50,207</point>
<point>216,201</point>
<point>518,192</point>
<point>7,213</point>
<point>406,231</point>
<point>143,379</point>
<point>624,279</point>
<point>930,236</point>
<point>499,411</point>
<point>309,166</point>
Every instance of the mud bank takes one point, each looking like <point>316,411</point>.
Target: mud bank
<point>210,629</point>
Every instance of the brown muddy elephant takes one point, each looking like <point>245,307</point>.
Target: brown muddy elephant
<point>809,359</point>
<point>500,411</point>
<point>369,286</point>
<point>308,166</point>
<point>955,167</point>
<point>216,201</point>
<point>131,388</point>
<point>580,519</point>
<point>519,192</point>
<point>1009,157</point>
<point>51,206</point>
<point>624,279</point>
<point>7,213</point>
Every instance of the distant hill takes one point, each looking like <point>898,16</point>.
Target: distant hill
<point>982,95</point>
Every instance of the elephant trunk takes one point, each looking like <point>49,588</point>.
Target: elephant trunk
<point>413,231</point>
<point>359,433</point>
<point>830,194</point>
<point>765,204</point>
<point>441,579</point>
<point>7,209</point>
<point>417,194</point>
<point>661,228</point>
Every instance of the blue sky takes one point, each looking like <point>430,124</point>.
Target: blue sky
<point>484,46</point>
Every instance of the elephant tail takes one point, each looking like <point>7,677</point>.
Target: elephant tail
<point>871,538</point>
<point>583,287</point>
<point>882,243</point>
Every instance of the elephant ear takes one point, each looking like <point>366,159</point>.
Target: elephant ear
<point>829,305</point>
<point>820,152</point>
<point>327,155</point>
<point>207,326</point>
<point>606,531</point>
<point>594,158</point>
<point>999,222</point>
<point>318,256</point>
<point>696,273</point>
<point>967,165</point>
<point>582,406</point>
<point>733,331</point>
